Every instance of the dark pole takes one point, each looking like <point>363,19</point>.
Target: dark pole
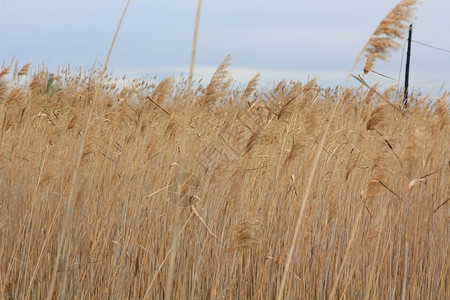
<point>408,58</point>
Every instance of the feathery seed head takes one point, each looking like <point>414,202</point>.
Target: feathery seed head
<point>391,27</point>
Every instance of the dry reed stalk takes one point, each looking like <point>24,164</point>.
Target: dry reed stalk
<point>194,44</point>
<point>405,272</point>
<point>381,97</point>
<point>176,232</point>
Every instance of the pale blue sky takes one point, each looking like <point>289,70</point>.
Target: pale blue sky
<point>281,39</point>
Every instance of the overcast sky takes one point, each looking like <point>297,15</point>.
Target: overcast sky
<point>281,39</point>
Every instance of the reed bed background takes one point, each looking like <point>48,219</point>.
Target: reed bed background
<point>136,189</point>
<point>376,224</point>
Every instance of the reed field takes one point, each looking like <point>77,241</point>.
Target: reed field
<point>189,190</point>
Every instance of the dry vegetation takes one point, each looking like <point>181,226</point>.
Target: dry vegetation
<point>376,223</point>
<point>141,190</point>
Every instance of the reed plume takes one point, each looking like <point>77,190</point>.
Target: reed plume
<point>248,234</point>
<point>5,71</point>
<point>163,90</point>
<point>393,26</point>
<point>251,87</point>
<point>378,117</point>
<point>215,88</point>
<point>24,70</point>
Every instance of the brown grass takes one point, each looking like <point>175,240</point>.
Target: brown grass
<point>377,219</point>
<point>153,190</point>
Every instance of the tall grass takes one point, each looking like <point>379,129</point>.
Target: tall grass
<point>381,185</point>
<point>183,193</point>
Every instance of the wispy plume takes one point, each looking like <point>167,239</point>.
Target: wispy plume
<point>215,88</point>
<point>392,27</point>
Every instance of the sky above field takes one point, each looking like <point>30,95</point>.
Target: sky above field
<point>280,39</point>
